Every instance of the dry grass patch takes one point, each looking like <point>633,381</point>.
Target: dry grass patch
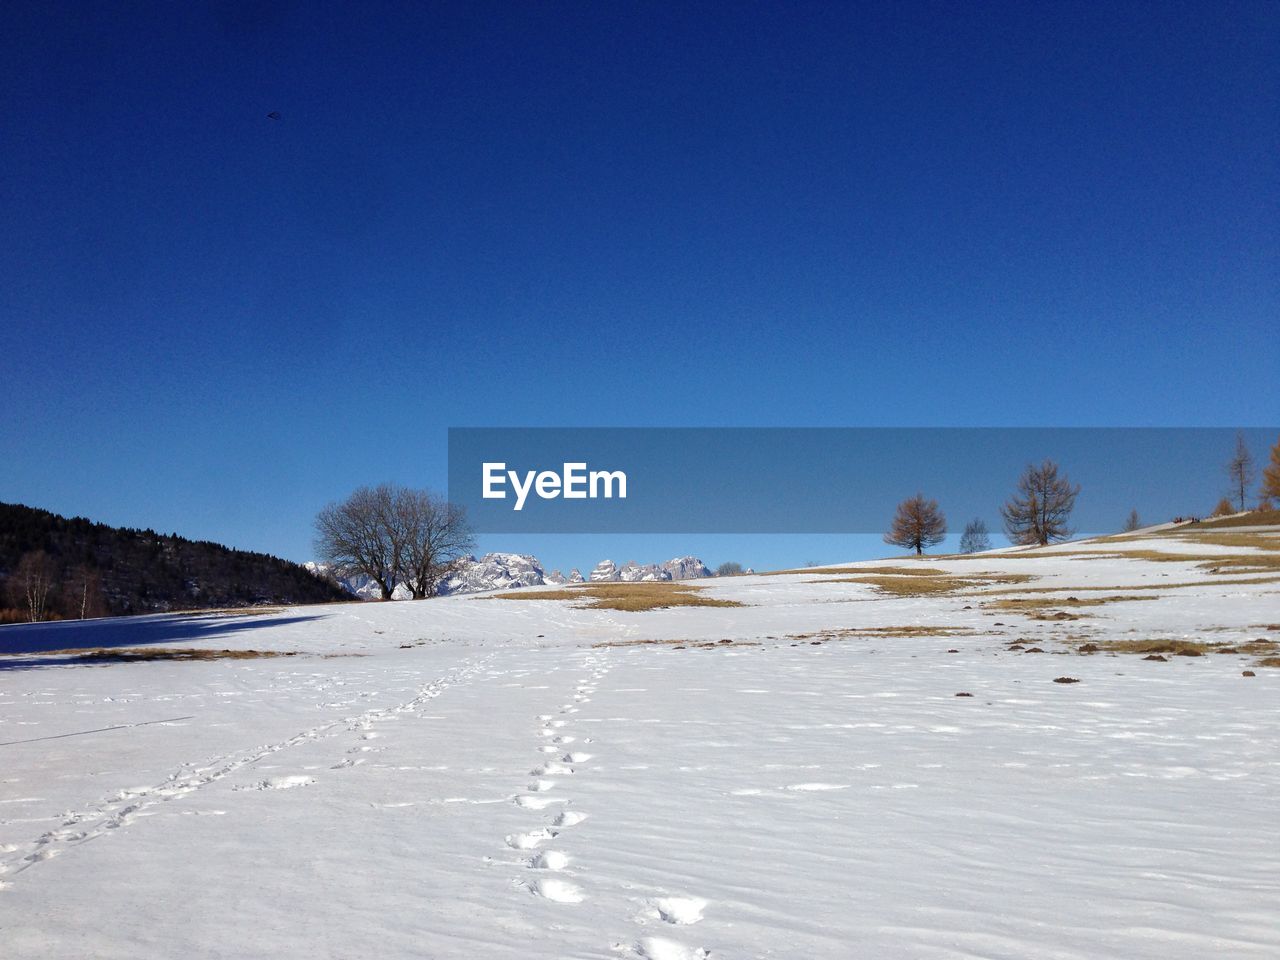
<point>1268,662</point>
<point>1041,604</point>
<point>847,633</point>
<point>931,584</point>
<point>918,586</point>
<point>1259,518</point>
<point>679,644</point>
<point>226,612</point>
<point>139,654</point>
<point>846,571</point>
<point>629,597</point>
<point>1178,648</point>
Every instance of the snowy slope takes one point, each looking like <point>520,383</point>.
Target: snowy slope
<point>468,777</point>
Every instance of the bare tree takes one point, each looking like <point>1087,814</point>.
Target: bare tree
<point>1134,522</point>
<point>1271,477</point>
<point>1240,470</point>
<point>31,584</point>
<point>1038,510</point>
<point>730,568</point>
<point>361,535</point>
<point>917,524</point>
<point>975,538</point>
<point>433,536</point>
<point>82,594</point>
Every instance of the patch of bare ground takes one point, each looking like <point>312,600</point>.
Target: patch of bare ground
<point>679,644</point>
<point>931,584</point>
<point>227,612</point>
<point>140,654</point>
<point>1053,602</point>
<point>845,571</point>
<point>853,633</point>
<point>1157,649</point>
<point>840,633</point>
<point>629,597</point>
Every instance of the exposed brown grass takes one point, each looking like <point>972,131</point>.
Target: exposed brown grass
<point>1261,562</point>
<point>138,654</point>
<point>915,630</point>
<point>906,586</point>
<point>629,597</point>
<point>1040,605</point>
<point>1259,518</point>
<point>838,633</point>
<point>1179,648</point>
<point>679,644</point>
<point>846,571</point>
<point>930,584</point>
<point>1153,649</point>
<point>226,612</point>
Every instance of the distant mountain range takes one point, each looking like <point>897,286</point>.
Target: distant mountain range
<point>110,571</point>
<point>506,571</point>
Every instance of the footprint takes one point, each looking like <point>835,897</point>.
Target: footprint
<point>570,818</point>
<point>552,769</point>
<point>818,786</point>
<point>576,757</point>
<point>660,948</point>
<point>561,891</point>
<point>541,786</point>
<point>530,840</point>
<point>550,860</point>
<point>279,783</point>
<point>538,803</point>
<point>680,910</point>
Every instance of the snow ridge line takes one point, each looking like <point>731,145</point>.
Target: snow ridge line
<point>124,807</point>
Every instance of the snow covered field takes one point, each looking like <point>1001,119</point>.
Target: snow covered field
<point>469,777</point>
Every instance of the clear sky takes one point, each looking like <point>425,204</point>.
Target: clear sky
<point>588,214</point>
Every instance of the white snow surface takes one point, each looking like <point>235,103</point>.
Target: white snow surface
<point>469,777</point>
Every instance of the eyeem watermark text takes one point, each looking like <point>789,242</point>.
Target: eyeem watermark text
<point>575,482</point>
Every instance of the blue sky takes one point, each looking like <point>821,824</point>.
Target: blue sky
<point>610,215</point>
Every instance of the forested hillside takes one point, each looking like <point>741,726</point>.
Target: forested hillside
<point>74,567</point>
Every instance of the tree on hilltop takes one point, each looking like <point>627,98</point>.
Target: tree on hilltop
<point>433,536</point>
<point>1271,476</point>
<point>1240,470</point>
<point>918,523</point>
<point>360,535</point>
<point>1037,512</point>
<point>975,538</point>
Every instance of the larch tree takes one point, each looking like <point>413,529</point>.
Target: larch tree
<point>1271,476</point>
<point>975,538</point>
<point>1240,471</point>
<point>1134,522</point>
<point>1037,512</point>
<point>1225,508</point>
<point>918,523</point>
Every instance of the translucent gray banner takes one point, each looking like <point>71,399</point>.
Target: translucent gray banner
<point>824,480</point>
